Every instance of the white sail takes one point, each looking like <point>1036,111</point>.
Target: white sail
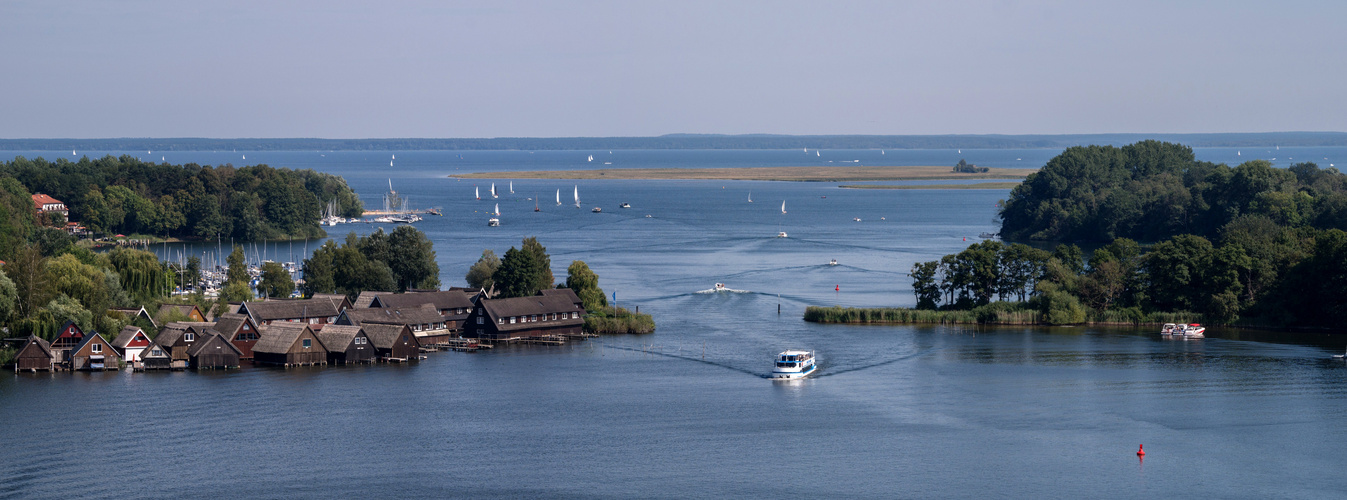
<point>477,192</point>
<point>577,196</point>
<point>558,197</point>
<point>750,197</point>
<point>591,157</point>
<point>395,157</point>
<point>511,187</point>
<point>816,153</point>
<point>498,209</point>
<point>245,157</point>
<point>783,206</point>
<point>493,190</point>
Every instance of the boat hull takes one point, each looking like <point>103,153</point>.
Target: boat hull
<point>792,375</point>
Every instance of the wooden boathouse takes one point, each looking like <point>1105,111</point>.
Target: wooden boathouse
<point>36,355</point>
<point>393,342</point>
<point>94,353</point>
<point>240,330</point>
<point>425,321</point>
<point>289,344</point>
<point>540,315</point>
<point>347,344</point>
<point>213,352</point>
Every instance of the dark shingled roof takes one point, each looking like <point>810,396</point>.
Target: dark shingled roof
<point>169,335</point>
<point>384,336</point>
<point>564,292</point>
<point>525,306</point>
<point>86,340</point>
<point>210,338</point>
<point>278,337</point>
<point>41,344</point>
<point>449,299</point>
<point>363,300</point>
<point>124,337</point>
<point>425,314</point>
<point>337,337</point>
<point>271,310</point>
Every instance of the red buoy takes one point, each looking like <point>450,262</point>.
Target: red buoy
<point>837,288</point>
<point>1141,451</point>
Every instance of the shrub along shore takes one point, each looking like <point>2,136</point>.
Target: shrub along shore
<point>996,313</point>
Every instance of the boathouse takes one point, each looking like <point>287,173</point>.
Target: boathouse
<point>130,342</point>
<point>240,331</point>
<point>156,358</point>
<point>524,317</point>
<point>393,342</point>
<point>316,311</point>
<point>425,322</point>
<point>453,305</point>
<point>175,338</point>
<point>94,353</point>
<point>213,352</point>
<point>289,344</point>
<point>347,344</point>
<point>36,355</point>
<point>67,337</point>
<point>190,312</point>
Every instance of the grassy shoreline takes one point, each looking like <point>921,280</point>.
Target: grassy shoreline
<point>980,316</point>
<point>976,185</point>
<point>795,174</point>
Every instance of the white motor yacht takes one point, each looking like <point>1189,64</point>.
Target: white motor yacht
<point>720,287</point>
<point>793,365</point>
<point>1168,329</point>
<point>493,222</point>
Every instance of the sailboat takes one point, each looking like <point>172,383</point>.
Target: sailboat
<point>1236,152</point>
<point>511,187</point>
<point>390,163</point>
<point>477,192</point>
<point>497,212</point>
<point>245,157</point>
<point>591,157</point>
<point>493,191</point>
<point>494,222</point>
<point>395,157</point>
<point>816,153</point>
<point>535,205</point>
<point>783,206</point>
<point>577,196</point>
<point>750,197</point>
<point>72,152</point>
<point>881,151</point>
<point>558,197</point>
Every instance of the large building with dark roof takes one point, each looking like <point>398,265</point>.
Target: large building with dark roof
<point>525,317</point>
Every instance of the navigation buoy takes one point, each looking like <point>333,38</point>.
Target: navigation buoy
<point>837,288</point>
<point>1141,451</point>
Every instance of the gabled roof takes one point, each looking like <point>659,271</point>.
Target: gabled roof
<point>448,299</point>
<point>426,314</point>
<point>229,324</point>
<point>69,323</point>
<point>149,351</point>
<point>526,306</point>
<point>125,336</point>
<point>41,344</point>
<point>278,337</point>
<point>271,310</point>
<point>169,335</point>
<point>212,337</point>
<point>42,199</point>
<point>337,337</point>
<point>366,297</point>
<point>185,309</point>
<point>384,336</point>
<point>566,292</point>
<point>88,338</point>
<point>194,326</point>
<point>132,314</point>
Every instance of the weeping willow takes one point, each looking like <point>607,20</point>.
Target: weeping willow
<point>143,276</point>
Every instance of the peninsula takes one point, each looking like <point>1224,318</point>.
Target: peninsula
<point>799,174</point>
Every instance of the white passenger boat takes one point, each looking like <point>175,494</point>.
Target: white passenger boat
<point>832,262</point>
<point>720,287</point>
<point>781,234</point>
<point>793,365</point>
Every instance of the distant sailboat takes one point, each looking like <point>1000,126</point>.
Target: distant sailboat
<point>1236,153</point>
<point>511,187</point>
<point>881,151</point>
<point>477,192</point>
<point>493,191</point>
<point>591,157</point>
<point>558,197</point>
<point>816,153</point>
<point>245,157</point>
<point>535,205</point>
<point>72,152</point>
<point>577,196</point>
<point>162,159</point>
<point>497,210</point>
<point>395,157</point>
<point>783,206</point>
<point>390,163</point>
<point>750,197</point>
<point>806,150</point>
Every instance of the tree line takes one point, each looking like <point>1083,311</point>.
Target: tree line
<point>127,195</point>
<point>388,262</point>
<point>1152,190</point>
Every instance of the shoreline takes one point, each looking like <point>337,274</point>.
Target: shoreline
<point>791,174</point>
<point>976,185</point>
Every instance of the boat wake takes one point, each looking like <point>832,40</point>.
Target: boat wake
<point>689,358</point>
<point>875,365</point>
<point>722,290</point>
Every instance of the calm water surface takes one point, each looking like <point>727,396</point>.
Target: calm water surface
<point>896,411</point>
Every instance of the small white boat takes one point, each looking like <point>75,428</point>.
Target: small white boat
<point>577,196</point>
<point>511,187</point>
<point>793,365</point>
<point>591,157</point>
<point>624,205</point>
<point>558,197</point>
<point>781,234</point>
<point>493,191</point>
<point>1168,329</point>
<point>720,287</point>
<point>477,192</point>
<point>1194,331</point>
<point>832,262</point>
<point>857,219</point>
<point>497,212</point>
<point>493,222</point>
<point>750,197</point>
<point>596,210</point>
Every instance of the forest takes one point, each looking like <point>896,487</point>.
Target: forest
<point>130,196</point>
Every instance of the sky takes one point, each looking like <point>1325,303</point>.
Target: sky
<point>345,69</point>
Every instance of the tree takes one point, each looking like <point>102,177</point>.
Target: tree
<point>518,275</point>
<point>479,275</point>
<point>319,275</point>
<point>538,253</point>
<point>28,271</point>
<point>238,270</point>
<point>9,298</point>
<point>64,308</point>
<point>276,282</point>
<point>78,281</point>
<point>142,274</point>
<point>585,284</point>
<point>924,284</point>
<point>414,265</point>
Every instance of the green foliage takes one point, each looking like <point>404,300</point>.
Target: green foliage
<point>1057,306</point>
<point>968,168</point>
<point>276,282</point>
<point>974,276</point>
<point>924,284</point>
<point>585,283</point>
<point>235,292</point>
<point>1152,190</point>
<point>28,271</point>
<point>523,272</point>
<point>617,322</point>
<point>126,195</point>
<point>479,275</point>
<point>16,217</point>
<point>63,308</point>
<point>368,263</point>
<point>238,269</point>
<point>411,259</point>
<point>78,281</point>
<point>142,275</point>
<point>9,298</point>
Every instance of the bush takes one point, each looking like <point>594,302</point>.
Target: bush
<point>604,322</point>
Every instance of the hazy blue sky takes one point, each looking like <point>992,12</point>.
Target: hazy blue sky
<point>489,69</point>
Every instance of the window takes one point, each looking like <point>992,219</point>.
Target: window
<point>308,343</point>
<point>500,321</point>
<point>359,340</point>
<point>313,321</point>
<point>425,326</point>
<point>189,337</point>
<point>479,320</point>
<point>156,352</point>
<point>404,339</point>
<point>98,347</point>
<point>512,319</point>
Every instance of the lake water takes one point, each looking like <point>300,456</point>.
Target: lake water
<point>897,411</point>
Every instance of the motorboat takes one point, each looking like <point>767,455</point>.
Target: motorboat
<point>857,219</point>
<point>832,262</point>
<point>493,222</point>
<point>794,365</point>
<point>596,210</point>
<point>624,205</point>
<point>720,287</point>
<point>987,236</point>
<point>1168,329</point>
<point>781,234</point>
<point>1192,331</point>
